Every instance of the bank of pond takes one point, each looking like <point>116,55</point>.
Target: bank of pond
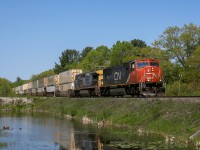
<point>160,124</point>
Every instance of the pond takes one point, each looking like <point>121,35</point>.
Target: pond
<point>43,132</point>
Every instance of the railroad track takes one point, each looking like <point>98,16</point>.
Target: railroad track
<point>174,98</point>
<point>195,99</point>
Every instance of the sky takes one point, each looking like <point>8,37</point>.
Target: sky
<point>33,33</point>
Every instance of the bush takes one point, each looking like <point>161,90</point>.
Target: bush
<point>186,89</point>
<point>5,89</point>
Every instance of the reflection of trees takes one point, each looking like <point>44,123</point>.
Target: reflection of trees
<point>85,141</point>
<point>99,144</point>
<point>65,137</point>
<point>71,139</point>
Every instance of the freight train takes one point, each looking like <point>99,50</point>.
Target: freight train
<point>141,77</point>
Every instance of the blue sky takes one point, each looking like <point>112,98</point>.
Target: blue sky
<point>33,33</point>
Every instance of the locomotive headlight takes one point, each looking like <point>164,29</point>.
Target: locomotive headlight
<point>148,80</point>
<point>152,69</point>
<point>148,70</point>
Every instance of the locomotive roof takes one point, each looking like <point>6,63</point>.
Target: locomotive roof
<point>147,59</point>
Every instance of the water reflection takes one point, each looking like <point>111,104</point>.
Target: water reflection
<point>41,132</point>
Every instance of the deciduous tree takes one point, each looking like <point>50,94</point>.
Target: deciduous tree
<point>180,43</point>
<point>138,43</point>
<point>5,87</point>
<point>120,51</point>
<point>96,58</point>
<point>67,58</point>
<point>85,52</point>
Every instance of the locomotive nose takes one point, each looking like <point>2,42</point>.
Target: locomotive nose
<point>151,69</point>
<point>153,74</point>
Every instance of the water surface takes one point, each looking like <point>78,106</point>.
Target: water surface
<point>42,132</point>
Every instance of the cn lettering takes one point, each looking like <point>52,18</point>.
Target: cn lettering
<point>117,76</point>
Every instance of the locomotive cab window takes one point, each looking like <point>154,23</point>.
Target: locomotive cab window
<point>154,64</point>
<point>133,66</point>
<point>142,64</point>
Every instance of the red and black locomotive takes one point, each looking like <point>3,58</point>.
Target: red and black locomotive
<point>136,78</point>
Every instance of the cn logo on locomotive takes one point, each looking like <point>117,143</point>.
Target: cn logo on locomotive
<point>117,75</point>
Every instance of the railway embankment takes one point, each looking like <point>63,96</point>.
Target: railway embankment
<point>172,118</point>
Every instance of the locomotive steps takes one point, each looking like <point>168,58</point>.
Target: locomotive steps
<point>177,118</point>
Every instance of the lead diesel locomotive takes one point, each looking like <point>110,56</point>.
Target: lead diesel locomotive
<point>136,78</point>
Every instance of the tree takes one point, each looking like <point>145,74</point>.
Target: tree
<point>180,43</point>
<point>120,51</point>
<point>67,58</point>
<point>193,70</point>
<point>95,58</point>
<point>18,79</point>
<point>19,82</point>
<point>5,87</point>
<point>85,52</point>
<point>44,74</point>
<point>138,43</point>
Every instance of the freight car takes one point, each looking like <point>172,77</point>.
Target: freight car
<point>66,82</point>
<point>136,78</point>
<point>42,86</point>
<point>55,85</point>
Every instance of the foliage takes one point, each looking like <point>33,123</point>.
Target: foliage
<point>18,79</point>
<point>179,88</point>
<point>67,58</point>
<point>170,71</point>
<point>138,43</point>
<point>98,57</point>
<point>42,75</point>
<point>121,52</point>
<point>180,43</point>
<point>19,83</point>
<point>193,70</point>
<point>5,87</point>
<point>84,52</point>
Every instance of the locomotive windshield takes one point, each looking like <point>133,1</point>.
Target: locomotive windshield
<point>142,64</point>
<point>154,64</point>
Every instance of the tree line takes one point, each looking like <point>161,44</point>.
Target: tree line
<point>177,49</point>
